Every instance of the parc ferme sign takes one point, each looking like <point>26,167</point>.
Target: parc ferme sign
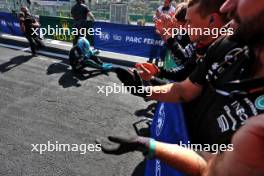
<point>128,39</point>
<point>125,39</point>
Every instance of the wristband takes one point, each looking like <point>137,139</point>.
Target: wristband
<point>152,148</point>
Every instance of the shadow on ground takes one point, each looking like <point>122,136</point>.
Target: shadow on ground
<point>14,62</point>
<point>147,112</point>
<point>140,169</point>
<point>69,78</point>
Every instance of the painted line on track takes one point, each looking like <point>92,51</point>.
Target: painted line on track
<point>40,52</point>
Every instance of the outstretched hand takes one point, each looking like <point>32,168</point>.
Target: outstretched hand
<point>147,70</point>
<point>125,145</point>
<point>132,78</point>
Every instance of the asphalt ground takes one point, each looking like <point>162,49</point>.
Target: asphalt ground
<point>41,100</point>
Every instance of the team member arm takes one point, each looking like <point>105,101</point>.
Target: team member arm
<point>72,14</point>
<point>36,24</point>
<point>180,158</point>
<point>90,14</point>
<point>22,25</point>
<point>247,158</point>
<point>175,92</point>
<point>157,15</point>
<point>185,90</point>
<point>177,50</point>
<point>180,73</point>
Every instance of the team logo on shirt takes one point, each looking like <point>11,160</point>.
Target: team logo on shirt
<point>218,68</point>
<point>259,103</point>
<point>161,120</point>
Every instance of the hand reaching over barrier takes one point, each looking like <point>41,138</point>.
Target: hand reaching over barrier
<point>183,159</point>
<point>147,70</point>
<point>133,82</point>
<point>125,145</point>
<point>201,163</point>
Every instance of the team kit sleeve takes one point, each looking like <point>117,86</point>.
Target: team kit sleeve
<point>180,73</point>
<point>198,76</point>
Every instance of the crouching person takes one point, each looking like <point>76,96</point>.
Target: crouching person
<point>81,56</point>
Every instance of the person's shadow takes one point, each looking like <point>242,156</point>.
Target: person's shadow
<point>69,78</point>
<point>148,112</point>
<point>14,62</point>
<point>140,169</point>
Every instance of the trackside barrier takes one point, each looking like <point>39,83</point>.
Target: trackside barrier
<point>9,24</point>
<point>168,126</point>
<point>124,39</point>
<point>64,27</point>
<point>128,39</point>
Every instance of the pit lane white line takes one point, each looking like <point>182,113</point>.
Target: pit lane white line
<point>40,52</point>
<point>13,37</point>
<point>56,42</point>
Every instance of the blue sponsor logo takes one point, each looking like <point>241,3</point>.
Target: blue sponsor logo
<point>161,120</point>
<point>259,103</point>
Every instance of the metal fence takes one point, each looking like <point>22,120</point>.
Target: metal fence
<point>137,9</point>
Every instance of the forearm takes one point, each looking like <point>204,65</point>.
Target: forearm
<point>158,82</point>
<point>36,24</point>
<point>177,74</point>
<point>180,158</point>
<point>180,73</point>
<point>167,93</point>
<point>176,49</point>
<point>22,27</point>
<point>183,91</point>
<point>91,16</point>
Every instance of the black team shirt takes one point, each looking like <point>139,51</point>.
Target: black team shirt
<point>215,118</point>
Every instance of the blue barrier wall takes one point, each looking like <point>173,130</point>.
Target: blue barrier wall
<point>9,23</point>
<point>125,39</point>
<point>128,39</point>
<point>168,126</point>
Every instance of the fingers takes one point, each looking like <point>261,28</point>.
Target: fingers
<point>137,78</point>
<point>122,73</point>
<point>156,68</point>
<point>122,140</point>
<point>125,76</point>
<point>147,70</point>
<point>158,32</point>
<point>117,145</point>
<point>111,150</point>
<point>130,70</point>
<point>108,149</point>
<point>143,68</point>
